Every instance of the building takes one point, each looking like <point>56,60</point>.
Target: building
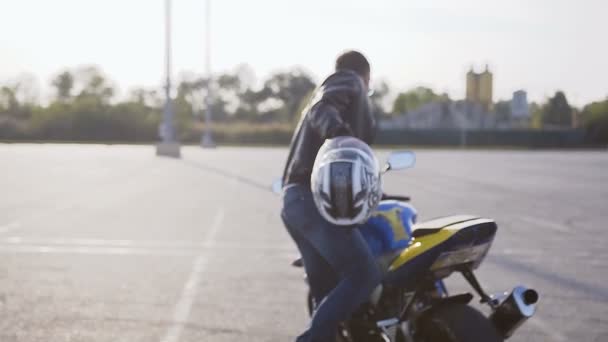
<point>475,112</point>
<point>479,88</point>
<point>519,111</point>
<point>459,115</point>
<point>519,105</point>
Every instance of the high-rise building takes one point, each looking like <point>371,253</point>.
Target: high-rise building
<point>479,88</point>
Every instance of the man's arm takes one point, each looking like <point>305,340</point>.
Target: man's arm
<point>327,115</point>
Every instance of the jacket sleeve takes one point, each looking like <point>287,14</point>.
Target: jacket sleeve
<point>327,115</point>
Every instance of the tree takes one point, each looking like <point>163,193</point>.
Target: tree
<point>288,89</point>
<point>145,97</point>
<point>94,85</point>
<point>249,101</point>
<point>227,95</point>
<point>415,98</point>
<point>63,83</point>
<point>84,106</point>
<point>225,89</point>
<point>595,121</point>
<point>89,115</point>
<point>8,99</point>
<point>19,97</point>
<point>380,91</point>
<point>557,112</point>
<point>246,76</point>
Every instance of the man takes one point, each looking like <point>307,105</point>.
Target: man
<point>341,269</point>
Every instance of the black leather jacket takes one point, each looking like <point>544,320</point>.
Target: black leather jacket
<point>339,107</point>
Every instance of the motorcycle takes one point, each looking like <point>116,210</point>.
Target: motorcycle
<point>412,304</point>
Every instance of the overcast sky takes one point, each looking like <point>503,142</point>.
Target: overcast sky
<point>536,45</point>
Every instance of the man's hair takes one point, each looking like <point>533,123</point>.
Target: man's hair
<point>353,60</point>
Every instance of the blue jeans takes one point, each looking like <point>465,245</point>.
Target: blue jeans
<point>341,269</point>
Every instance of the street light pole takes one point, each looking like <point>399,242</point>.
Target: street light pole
<point>168,113</point>
<point>207,138</point>
<point>168,147</point>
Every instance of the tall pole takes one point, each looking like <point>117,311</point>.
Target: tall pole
<point>207,138</point>
<point>168,146</point>
<point>167,130</point>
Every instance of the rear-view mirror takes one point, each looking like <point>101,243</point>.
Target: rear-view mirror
<point>400,160</point>
<point>277,186</point>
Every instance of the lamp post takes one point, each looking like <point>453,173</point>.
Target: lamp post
<point>207,138</point>
<point>168,147</point>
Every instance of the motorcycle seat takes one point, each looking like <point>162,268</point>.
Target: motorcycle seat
<point>418,230</point>
<point>435,225</point>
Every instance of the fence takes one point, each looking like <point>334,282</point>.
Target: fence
<point>513,138</point>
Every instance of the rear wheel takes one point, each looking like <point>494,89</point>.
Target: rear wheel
<point>458,323</point>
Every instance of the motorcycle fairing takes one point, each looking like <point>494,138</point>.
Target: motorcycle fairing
<point>440,245</point>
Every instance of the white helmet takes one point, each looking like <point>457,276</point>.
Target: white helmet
<point>346,182</point>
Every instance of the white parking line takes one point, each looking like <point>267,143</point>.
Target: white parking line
<point>10,226</point>
<point>36,216</point>
<point>87,250</point>
<point>184,305</point>
<point>61,241</point>
<point>27,245</point>
<point>518,252</point>
<point>546,224</point>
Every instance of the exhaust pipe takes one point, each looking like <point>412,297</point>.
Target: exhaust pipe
<point>511,313</point>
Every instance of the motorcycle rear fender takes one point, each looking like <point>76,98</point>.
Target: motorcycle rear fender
<point>442,250</point>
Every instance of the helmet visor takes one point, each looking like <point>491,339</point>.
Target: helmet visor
<point>349,155</point>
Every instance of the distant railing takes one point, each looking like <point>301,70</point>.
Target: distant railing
<point>514,138</point>
<point>269,134</point>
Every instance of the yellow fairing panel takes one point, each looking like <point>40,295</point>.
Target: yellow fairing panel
<point>424,243</point>
<point>421,245</point>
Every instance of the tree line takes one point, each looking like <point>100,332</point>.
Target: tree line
<point>85,106</point>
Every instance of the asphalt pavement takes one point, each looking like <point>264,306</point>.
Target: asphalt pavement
<point>111,243</point>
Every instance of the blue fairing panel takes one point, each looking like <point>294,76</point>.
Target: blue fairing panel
<point>390,227</point>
